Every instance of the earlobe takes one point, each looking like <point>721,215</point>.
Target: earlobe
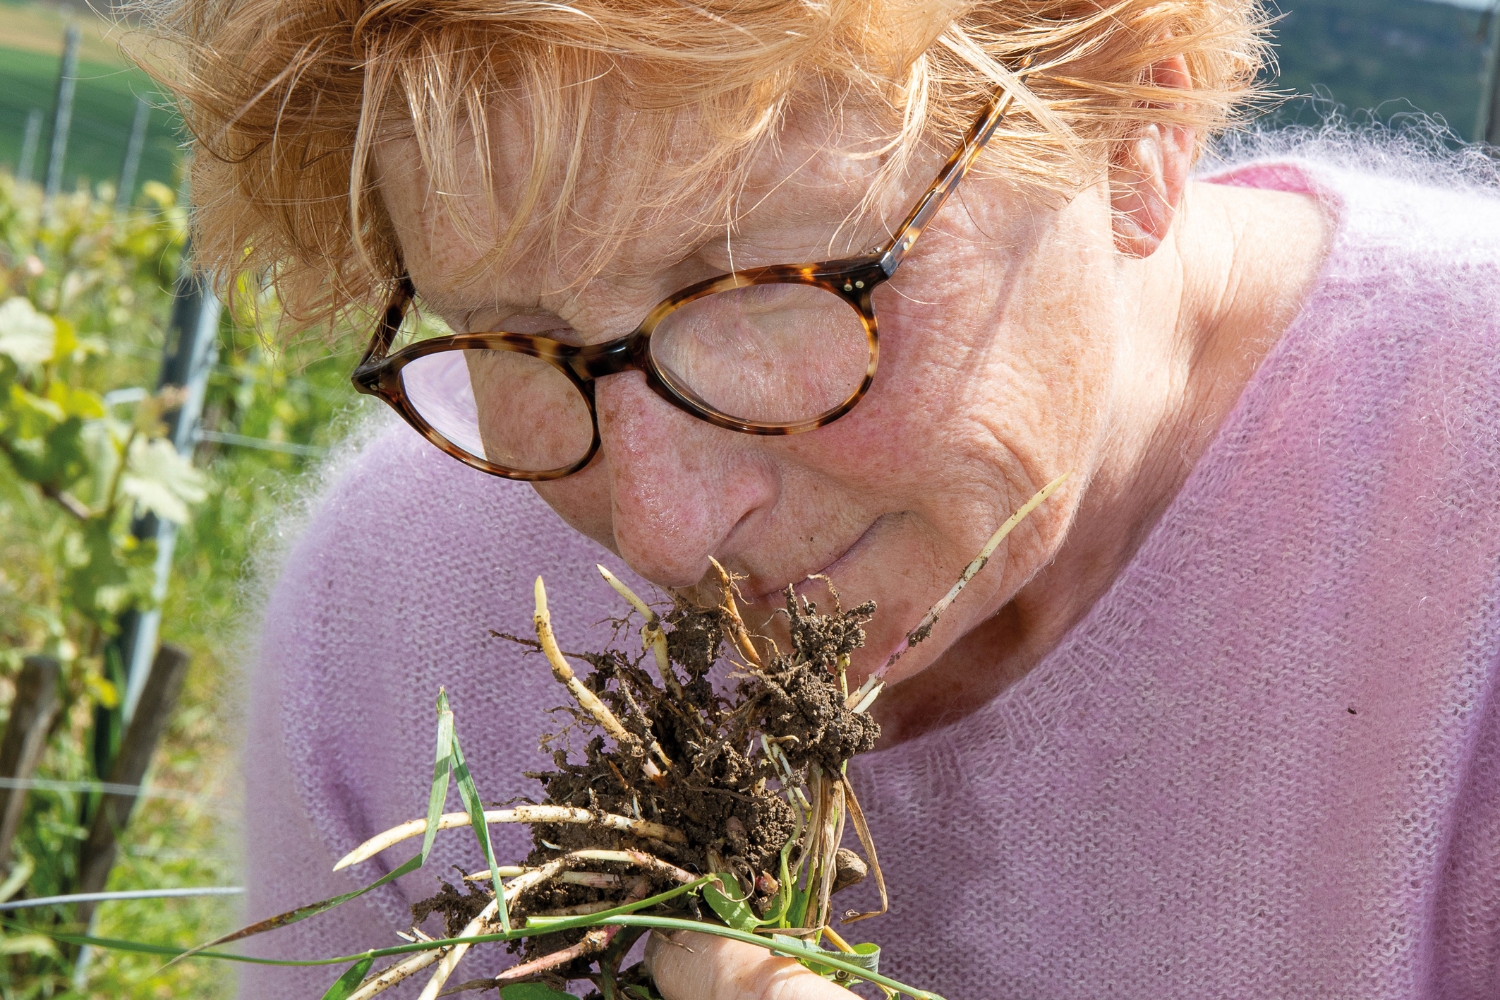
<point>1149,172</point>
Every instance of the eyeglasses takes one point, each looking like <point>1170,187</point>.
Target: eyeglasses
<point>766,350</point>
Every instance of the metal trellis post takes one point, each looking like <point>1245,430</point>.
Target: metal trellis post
<point>125,191</point>
<point>191,349</point>
<point>62,112</point>
<point>33,137</point>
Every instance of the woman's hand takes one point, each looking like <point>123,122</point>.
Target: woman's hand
<point>691,966</point>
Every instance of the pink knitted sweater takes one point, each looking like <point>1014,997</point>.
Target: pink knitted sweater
<point>1266,764</point>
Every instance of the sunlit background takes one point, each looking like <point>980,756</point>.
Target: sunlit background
<point>142,451</point>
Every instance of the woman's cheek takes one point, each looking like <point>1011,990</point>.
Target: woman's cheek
<point>582,500</point>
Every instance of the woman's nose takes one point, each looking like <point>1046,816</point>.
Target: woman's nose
<point>679,487</point>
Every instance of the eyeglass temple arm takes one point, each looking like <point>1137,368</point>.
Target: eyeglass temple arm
<point>390,323</point>
<point>948,178</point>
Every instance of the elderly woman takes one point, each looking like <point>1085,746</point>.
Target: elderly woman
<point>833,288</point>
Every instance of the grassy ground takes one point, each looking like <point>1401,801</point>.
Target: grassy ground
<point>104,103</point>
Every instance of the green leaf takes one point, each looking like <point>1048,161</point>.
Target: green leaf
<point>27,337</point>
<point>64,340</point>
<point>732,910</point>
<point>475,807</point>
<point>33,414</point>
<point>797,910</point>
<point>76,402</point>
<point>533,991</point>
<point>17,878</point>
<point>28,944</point>
<point>161,480</point>
<point>778,913</point>
<point>350,980</point>
<point>866,955</point>
<point>442,768</point>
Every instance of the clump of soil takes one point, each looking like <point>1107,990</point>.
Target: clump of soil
<point>721,771</point>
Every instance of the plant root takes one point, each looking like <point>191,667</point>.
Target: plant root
<point>520,814</point>
<point>930,619</point>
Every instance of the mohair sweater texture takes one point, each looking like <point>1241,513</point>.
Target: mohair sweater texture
<point>1265,764</point>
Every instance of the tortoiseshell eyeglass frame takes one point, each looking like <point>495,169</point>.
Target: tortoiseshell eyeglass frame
<point>853,279</point>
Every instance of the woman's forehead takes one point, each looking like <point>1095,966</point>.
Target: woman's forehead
<point>805,196</point>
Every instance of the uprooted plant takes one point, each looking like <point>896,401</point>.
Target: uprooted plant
<point>720,810</point>
<point>747,786</point>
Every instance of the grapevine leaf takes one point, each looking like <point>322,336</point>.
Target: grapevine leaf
<point>27,337</point>
<point>161,480</point>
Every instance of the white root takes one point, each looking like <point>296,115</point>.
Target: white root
<point>479,925</point>
<point>740,635</point>
<point>520,814</point>
<point>629,595</point>
<point>398,973</point>
<point>652,635</point>
<point>482,924</point>
<point>586,699</point>
<point>864,703</point>
<point>638,858</point>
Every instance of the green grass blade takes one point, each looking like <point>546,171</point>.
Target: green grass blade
<point>551,924</point>
<point>441,769</point>
<point>470,794</point>
<point>856,965</point>
<point>165,950</point>
<point>349,981</point>
<point>533,991</point>
<point>299,914</point>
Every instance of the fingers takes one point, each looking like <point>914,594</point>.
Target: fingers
<point>690,966</point>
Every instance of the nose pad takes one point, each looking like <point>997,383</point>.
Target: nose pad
<point>678,487</point>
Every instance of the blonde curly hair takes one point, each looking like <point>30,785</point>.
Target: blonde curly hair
<point>286,98</point>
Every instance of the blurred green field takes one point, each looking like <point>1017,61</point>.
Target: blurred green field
<point>103,105</point>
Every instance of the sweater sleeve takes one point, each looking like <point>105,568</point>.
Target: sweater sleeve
<point>405,564</point>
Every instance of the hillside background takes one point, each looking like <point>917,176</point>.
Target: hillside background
<point>1383,58</point>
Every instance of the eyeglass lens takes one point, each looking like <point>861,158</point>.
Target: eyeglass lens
<point>766,354</point>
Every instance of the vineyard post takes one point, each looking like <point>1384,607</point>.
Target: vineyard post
<point>191,349</point>
<point>125,191</point>
<point>62,112</point>
<point>33,137</point>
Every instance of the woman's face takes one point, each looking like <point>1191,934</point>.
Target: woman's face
<point>997,350</point>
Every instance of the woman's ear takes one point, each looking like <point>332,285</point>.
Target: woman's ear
<point>1149,172</point>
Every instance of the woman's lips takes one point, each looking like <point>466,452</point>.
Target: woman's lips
<point>833,570</point>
